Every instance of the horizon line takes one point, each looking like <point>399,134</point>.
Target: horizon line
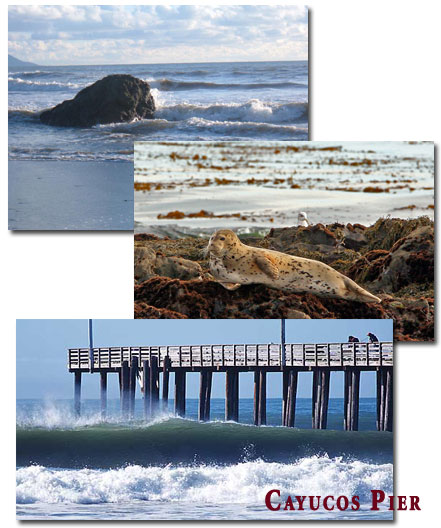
<point>163,63</point>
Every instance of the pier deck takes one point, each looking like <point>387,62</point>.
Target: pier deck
<point>244,357</point>
<point>146,365</point>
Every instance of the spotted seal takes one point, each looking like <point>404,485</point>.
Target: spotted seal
<point>233,264</point>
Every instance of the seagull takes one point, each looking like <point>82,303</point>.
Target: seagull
<point>302,219</point>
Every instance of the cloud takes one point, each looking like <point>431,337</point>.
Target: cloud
<point>128,34</point>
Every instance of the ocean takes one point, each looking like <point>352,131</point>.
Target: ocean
<point>173,468</point>
<point>242,100</point>
<point>255,186</point>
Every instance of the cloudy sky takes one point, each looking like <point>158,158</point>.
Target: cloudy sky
<point>156,34</point>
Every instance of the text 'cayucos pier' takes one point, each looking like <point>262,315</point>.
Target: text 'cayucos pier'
<point>149,365</point>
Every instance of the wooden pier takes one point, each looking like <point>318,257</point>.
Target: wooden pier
<point>146,366</point>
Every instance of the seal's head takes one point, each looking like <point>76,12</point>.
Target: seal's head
<point>221,242</point>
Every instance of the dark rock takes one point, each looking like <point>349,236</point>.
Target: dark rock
<point>114,99</point>
<point>143,237</point>
<point>395,259</point>
<point>318,242</point>
<point>354,237</point>
<point>386,231</point>
<point>369,266</point>
<point>208,299</point>
<point>312,238</point>
<point>149,263</point>
<point>410,261</point>
<point>413,318</point>
<point>144,311</point>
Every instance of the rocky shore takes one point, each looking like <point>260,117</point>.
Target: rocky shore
<point>394,259</point>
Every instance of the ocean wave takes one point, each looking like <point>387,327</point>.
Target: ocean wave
<point>173,85</point>
<point>33,73</point>
<point>199,128</point>
<point>110,445</point>
<point>23,114</point>
<point>48,85</point>
<point>255,111</point>
<point>222,116</point>
<point>243,483</point>
<point>247,129</point>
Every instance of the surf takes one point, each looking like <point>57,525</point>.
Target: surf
<point>243,483</point>
<point>181,441</point>
<point>176,85</point>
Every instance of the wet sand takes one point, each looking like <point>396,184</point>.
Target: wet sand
<point>252,187</point>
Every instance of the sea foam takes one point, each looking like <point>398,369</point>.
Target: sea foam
<point>245,483</point>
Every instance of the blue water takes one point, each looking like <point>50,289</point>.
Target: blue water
<point>264,100</point>
<point>173,468</point>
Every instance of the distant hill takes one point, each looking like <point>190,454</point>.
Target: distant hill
<point>13,62</point>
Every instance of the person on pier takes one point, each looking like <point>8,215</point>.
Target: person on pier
<point>353,339</point>
<point>372,337</point>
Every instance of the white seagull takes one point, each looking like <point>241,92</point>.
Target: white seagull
<point>302,219</point>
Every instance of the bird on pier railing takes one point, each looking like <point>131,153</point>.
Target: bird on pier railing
<point>353,339</point>
<point>372,337</point>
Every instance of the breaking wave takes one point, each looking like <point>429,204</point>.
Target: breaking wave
<point>255,111</point>
<point>47,85</point>
<point>243,483</point>
<point>174,440</point>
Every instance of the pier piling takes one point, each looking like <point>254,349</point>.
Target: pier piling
<point>180,378</point>
<point>389,417</point>
<point>145,364</point>
<point>125,388</point>
<point>145,384</point>
<point>77,393</point>
<point>154,386</point>
<point>232,395</point>
<point>351,401</point>
<point>261,417</point>
<point>384,399</point>
<point>133,381</point>
<point>103,394</point>
<point>205,395</point>
<point>256,398</point>
<point>320,398</point>
<point>285,381</point>
<point>165,382</point>
<point>291,398</point>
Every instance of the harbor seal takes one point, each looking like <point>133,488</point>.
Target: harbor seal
<point>233,264</point>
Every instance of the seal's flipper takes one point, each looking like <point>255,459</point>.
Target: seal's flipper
<point>357,293</point>
<point>230,285</point>
<point>266,264</point>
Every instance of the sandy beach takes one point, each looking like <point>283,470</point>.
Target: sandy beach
<point>80,195</point>
<point>193,188</point>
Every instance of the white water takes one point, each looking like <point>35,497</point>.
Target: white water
<point>245,483</point>
<point>265,100</point>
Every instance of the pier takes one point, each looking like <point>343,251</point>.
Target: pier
<point>149,368</point>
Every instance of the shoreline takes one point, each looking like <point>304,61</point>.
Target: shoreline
<point>253,185</point>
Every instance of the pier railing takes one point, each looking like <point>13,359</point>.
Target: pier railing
<point>149,368</point>
<point>333,355</point>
